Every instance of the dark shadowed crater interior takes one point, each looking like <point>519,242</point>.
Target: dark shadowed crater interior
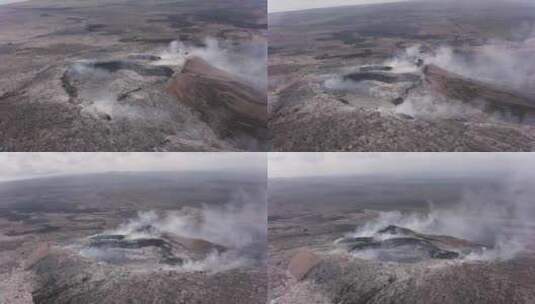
<point>147,245</point>
<point>398,244</point>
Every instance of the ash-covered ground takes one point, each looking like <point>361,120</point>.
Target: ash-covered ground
<point>120,75</point>
<point>190,237</point>
<point>406,239</point>
<point>408,76</point>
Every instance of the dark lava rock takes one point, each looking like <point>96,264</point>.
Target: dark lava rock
<point>404,249</point>
<point>398,101</point>
<point>145,57</point>
<point>392,229</point>
<point>382,77</point>
<point>95,27</point>
<point>406,246</point>
<point>355,241</point>
<point>144,70</point>
<point>420,63</point>
<point>443,254</point>
<point>119,241</point>
<point>370,68</point>
<point>117,237</point>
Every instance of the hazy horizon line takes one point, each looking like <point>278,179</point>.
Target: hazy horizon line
<point>66,174</point>
<point>322,5</point>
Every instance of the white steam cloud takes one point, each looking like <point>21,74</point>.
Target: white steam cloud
<point>500,62</point>
<point>507,65</point>
<point>424,104</point>
<point>499,218</point>
<point>101,89</point>
<point>503,64</point>
<point>99,96</point>
<point>239,226</point>
<point>246,61</point>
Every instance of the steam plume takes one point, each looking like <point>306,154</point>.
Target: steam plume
<point>497,217</point>
<point>246,61</point>
<point>239,226</point>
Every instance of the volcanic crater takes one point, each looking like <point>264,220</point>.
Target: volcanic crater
<point>147,245</point>
<point>398,244</point>
<point>103,85</point>
<point>353,79</point>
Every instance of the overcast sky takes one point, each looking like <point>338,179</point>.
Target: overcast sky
<point>292,5</point>
<point>28,165</point>
<point>10,1</point>
<point>319,164</point>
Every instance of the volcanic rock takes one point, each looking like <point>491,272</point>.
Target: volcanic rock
<point>145,57</point>
<point>232,108</point>
<point>359,282</point>
<point>62,278</point>
<point>407,246</point>
<point>380,76</point>
<point>397,101</point>
<point>199,246</point>
<point>119,241</point>
<point>498,98</point>
<point>168,247</point>
<point>392,229</point>
<point>141,69</point>
<point>90,77</point>
<point>370,68</point>
<point>106,243</point>
<point>308,116</point>
<point>302,263</point>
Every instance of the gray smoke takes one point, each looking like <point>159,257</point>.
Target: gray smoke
<point>497,217</point>
<point>239,225</point>
<point>501,63</point>
<point>100,90</point>
<point>425,104</point>
<point>99,93</point>
<point>246,61</point>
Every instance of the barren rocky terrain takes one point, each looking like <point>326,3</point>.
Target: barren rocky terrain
<point>133,238</point>
<point>411,76</point>
<point>345,240</point>
<point>133,76</point>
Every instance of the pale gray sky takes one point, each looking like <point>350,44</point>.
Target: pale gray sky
<point>327,164</point>
<point>292,5</point>
<point>28,165</point>
<point>10,1</point>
